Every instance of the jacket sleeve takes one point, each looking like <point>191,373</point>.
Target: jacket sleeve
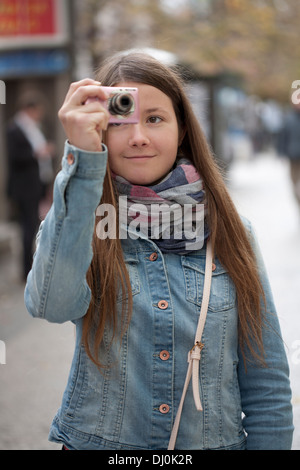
<point>56,287</point>
<point>266,391</point>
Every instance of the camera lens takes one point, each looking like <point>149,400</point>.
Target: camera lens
<point>121,103</point>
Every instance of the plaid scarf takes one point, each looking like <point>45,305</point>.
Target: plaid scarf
<point>171,212</point>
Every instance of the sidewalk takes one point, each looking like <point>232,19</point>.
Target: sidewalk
<point>38,358</point>
<point>32,382</point>
<point>262,192</point>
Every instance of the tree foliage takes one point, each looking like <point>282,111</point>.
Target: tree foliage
<point>258,39</point>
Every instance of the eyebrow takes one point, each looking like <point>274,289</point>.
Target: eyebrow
<point>154,110</point>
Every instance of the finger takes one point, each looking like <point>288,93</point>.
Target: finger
<point>100,117</point>
<point>75,85</point>
<point>101,120</point>
<point>81,94</point>
<point>71,114</point>
<point>88,122</point>
<point>94,106</point>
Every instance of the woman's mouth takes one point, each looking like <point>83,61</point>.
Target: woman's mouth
<point>140,157</point>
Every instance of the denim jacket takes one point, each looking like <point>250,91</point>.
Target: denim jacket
<point>132,404</point>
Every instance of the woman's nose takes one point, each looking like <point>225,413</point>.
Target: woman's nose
<point>138,136</point>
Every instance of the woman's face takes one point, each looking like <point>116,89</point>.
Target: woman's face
<point>144,153</point>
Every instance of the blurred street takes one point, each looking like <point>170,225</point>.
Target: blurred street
<point>262,192</point>
<point>38,357</point>
<point>38,354</point>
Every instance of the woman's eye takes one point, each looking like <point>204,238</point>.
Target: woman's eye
<point>115,124</point>
<point>154,119</point>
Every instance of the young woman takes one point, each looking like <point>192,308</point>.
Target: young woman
<point>136,298</point>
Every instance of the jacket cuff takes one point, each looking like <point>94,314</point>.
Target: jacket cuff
<point>84,163</point>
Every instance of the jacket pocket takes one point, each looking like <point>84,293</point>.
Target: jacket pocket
<point>131,261</point>
<point>222,295</point>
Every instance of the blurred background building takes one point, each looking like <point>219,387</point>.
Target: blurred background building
<point>240,58</point>
<point>35,54</point>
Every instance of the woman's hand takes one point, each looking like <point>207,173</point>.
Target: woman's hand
<point>84,123</point>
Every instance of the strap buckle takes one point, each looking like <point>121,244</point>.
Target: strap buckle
<point>199,345</point>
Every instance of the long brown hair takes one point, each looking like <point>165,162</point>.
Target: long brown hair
<point>230,240</point>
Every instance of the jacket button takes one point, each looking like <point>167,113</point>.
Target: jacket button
<point>163,304</point>
<point>153,256</point>
<point>164,355</point>
<point>164,408</point>
<point>70,158</point>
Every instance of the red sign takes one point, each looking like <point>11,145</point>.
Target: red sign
<point>27,18</point>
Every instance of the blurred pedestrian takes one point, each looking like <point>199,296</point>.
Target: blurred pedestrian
<point>29,168</point>
<point>290,146</point>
